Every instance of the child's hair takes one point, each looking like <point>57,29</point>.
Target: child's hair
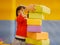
<point>19,8</point>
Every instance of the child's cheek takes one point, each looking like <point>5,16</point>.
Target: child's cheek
<point>18,13</point>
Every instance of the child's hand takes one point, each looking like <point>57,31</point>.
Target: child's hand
<point>31,7</point>
<point>25,16</point>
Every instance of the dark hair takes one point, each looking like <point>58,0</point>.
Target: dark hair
<point>19,8</point>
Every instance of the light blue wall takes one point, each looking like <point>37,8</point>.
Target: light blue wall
<point>53,28</point>
<point>7,30</point>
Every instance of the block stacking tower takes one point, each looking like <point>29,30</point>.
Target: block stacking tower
<point>35,36</point>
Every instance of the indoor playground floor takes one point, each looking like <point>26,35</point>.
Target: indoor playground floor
<point>17,42</point>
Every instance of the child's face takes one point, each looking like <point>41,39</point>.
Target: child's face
<point>21,11</point>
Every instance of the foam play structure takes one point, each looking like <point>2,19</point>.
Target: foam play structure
<point>35,36</point>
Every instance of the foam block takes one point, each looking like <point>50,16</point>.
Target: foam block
<point>46,42</point>
<point>37,42</point>
<point>45,9</point>
<point>35,15</point>
<point>31,41</point>
<point>38,8</point>
<point>1,42</point>
<point>37,36</point>
<point>34,22</point>
<point>34,28</point>
<point>42,9</point>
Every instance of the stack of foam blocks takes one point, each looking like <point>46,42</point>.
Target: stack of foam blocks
<point>35,36</point>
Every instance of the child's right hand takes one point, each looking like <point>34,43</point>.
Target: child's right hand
<point>31,7</point>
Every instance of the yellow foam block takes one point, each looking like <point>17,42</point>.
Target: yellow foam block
<point>1,42</point>
<point>46,42</point>
<point>36,15</point>
<point>30,41</point>
<point>38,8</point>
<point>7,10</point>
<point>42,8</point>
<point>37,42</point>
<point>37,36</point>
<point>45,9</point>
<point>34,21</point>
